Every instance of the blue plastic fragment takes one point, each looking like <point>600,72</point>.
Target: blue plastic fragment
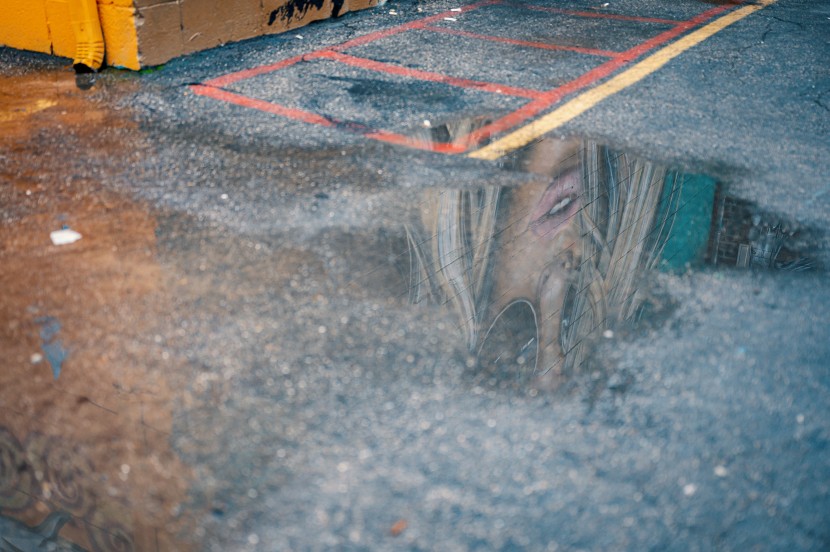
<point>49,327</point>
<point>55,354</point>
<point>52,347</point>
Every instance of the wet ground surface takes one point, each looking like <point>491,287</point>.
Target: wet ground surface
<point>287,335</point>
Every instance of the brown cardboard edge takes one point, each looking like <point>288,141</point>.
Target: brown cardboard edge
<point>205,24</point>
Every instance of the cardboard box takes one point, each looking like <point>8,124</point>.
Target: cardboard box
<point>142,33</point>
<point>209,23</point>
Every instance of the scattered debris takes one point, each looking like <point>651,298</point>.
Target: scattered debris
<point>450,19</point>
<point>393,12</point>
<point>64,236</point>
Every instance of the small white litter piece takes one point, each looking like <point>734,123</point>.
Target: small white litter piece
<point>450,19</point>
<point>455,9</point>
<point>64,236</point>
<point>393,12</point>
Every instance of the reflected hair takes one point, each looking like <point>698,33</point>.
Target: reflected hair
<point>622,236</point>
<point>452,247</point>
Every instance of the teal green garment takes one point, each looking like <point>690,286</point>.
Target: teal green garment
<point>690,199</point>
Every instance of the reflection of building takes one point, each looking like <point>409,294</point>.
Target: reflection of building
<point>87,393</point>
<point>744,237</point>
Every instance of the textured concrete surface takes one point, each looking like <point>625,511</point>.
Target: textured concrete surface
<point>236,308</point>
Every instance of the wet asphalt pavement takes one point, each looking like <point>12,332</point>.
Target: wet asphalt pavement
<point>239,364</point>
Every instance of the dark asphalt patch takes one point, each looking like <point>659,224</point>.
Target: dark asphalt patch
<point>371,98</point>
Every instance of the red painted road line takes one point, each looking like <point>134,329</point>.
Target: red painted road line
<point>540,100</point>
<point>540,45</point>
<point>533,108</point>
<point>408,141</point>
<point>600,15</point>
<point>378,66</point>
<point>313,118</point>
<point>231,78</point>
<point>268,107</point>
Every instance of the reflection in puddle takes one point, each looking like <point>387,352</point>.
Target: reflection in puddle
<point>168,381</point>
<point>747,238</point>
<point>85,393</point>
<point>535,273</point>
<point>18,537</point>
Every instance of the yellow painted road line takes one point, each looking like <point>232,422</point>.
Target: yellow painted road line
<point>585,101</point>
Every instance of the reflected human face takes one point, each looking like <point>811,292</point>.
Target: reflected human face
<point>538,249</point>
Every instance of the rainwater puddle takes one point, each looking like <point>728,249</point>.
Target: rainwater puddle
<point>414,352</point>
<point>533,276</point>
<point>85,398</point>
<point>373,361</point>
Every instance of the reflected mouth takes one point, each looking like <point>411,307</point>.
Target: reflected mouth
<point>558,204</point>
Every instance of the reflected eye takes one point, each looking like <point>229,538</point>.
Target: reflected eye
<point>560,206</point>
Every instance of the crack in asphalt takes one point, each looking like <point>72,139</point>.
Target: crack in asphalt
<point>770,29</point>
<point>820,102</point>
